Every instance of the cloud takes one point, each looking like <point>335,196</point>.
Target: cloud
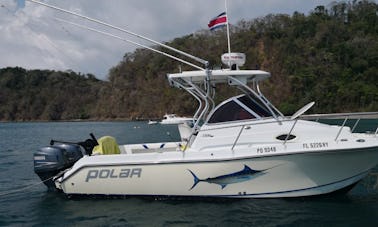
<point>32,38</point>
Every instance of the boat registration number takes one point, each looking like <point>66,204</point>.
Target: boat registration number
<point>261,150</point>
<point>315,145</point>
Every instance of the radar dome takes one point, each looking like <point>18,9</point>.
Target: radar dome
<point>231,59</point>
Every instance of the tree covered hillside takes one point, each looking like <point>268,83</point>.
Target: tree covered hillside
<point>329,56</point>
<point>47,95</point>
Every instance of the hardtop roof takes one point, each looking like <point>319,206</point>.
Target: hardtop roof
<point>221,75</point>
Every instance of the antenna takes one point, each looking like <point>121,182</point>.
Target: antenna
<point>206,63</point>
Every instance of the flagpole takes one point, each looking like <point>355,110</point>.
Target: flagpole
<point>228,35</point>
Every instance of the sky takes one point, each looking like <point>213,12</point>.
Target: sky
<point>34,37</point>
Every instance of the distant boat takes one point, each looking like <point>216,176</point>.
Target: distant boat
<point>151,122</point>
<point>173,119</point>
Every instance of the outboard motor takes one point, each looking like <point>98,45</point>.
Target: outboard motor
<point>73,153</point>
<point>49,161</point>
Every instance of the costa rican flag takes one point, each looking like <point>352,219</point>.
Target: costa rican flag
<point>219,21</point>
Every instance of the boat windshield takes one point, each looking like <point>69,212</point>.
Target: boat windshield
<point>255,105</point>
<point>239,108</point>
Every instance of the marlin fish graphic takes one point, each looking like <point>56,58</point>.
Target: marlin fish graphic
<point>232,178</point>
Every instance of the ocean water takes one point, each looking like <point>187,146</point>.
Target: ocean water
<point>26,202</point>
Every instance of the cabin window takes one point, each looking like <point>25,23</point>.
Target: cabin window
<point>230,111</point>
<point>255,106</point>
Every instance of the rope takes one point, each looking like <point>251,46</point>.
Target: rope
<point>24,188</point>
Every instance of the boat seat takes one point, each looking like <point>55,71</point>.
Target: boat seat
<point>106,145</point>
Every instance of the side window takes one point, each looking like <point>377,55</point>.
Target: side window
<point>230,111</point>
<point>256,107</point>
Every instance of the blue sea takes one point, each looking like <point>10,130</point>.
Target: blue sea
<point>26,202</point>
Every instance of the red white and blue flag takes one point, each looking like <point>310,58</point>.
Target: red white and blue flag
<point>219,21</point>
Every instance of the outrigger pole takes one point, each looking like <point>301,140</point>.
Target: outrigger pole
<point>129,41</point>
<point>206,63</point>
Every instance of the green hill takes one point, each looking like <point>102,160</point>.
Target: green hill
<point>329,56</point>
<point>47,95</point>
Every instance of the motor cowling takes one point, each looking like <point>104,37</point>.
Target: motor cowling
<point>49,161</point>
<point>73,153</point>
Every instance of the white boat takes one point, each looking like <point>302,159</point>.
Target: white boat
<point>242,148</point>
<point>246,148</point>
<point>151,122</point>
<point>173,119</point>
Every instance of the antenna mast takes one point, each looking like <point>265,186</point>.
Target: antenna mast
<point>228,31</point>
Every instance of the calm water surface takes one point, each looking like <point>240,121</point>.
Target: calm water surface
<point>34,206</point>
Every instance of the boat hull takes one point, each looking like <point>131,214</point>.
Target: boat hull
<point>295,175</point>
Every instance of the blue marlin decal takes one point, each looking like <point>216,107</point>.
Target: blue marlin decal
<point>232,178</point>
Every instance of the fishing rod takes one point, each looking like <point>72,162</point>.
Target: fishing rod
<point>206,63</point>
<point>129,41</point>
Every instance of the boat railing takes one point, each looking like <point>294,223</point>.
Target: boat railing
<point>316,117</point>
<point>345,116</point>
